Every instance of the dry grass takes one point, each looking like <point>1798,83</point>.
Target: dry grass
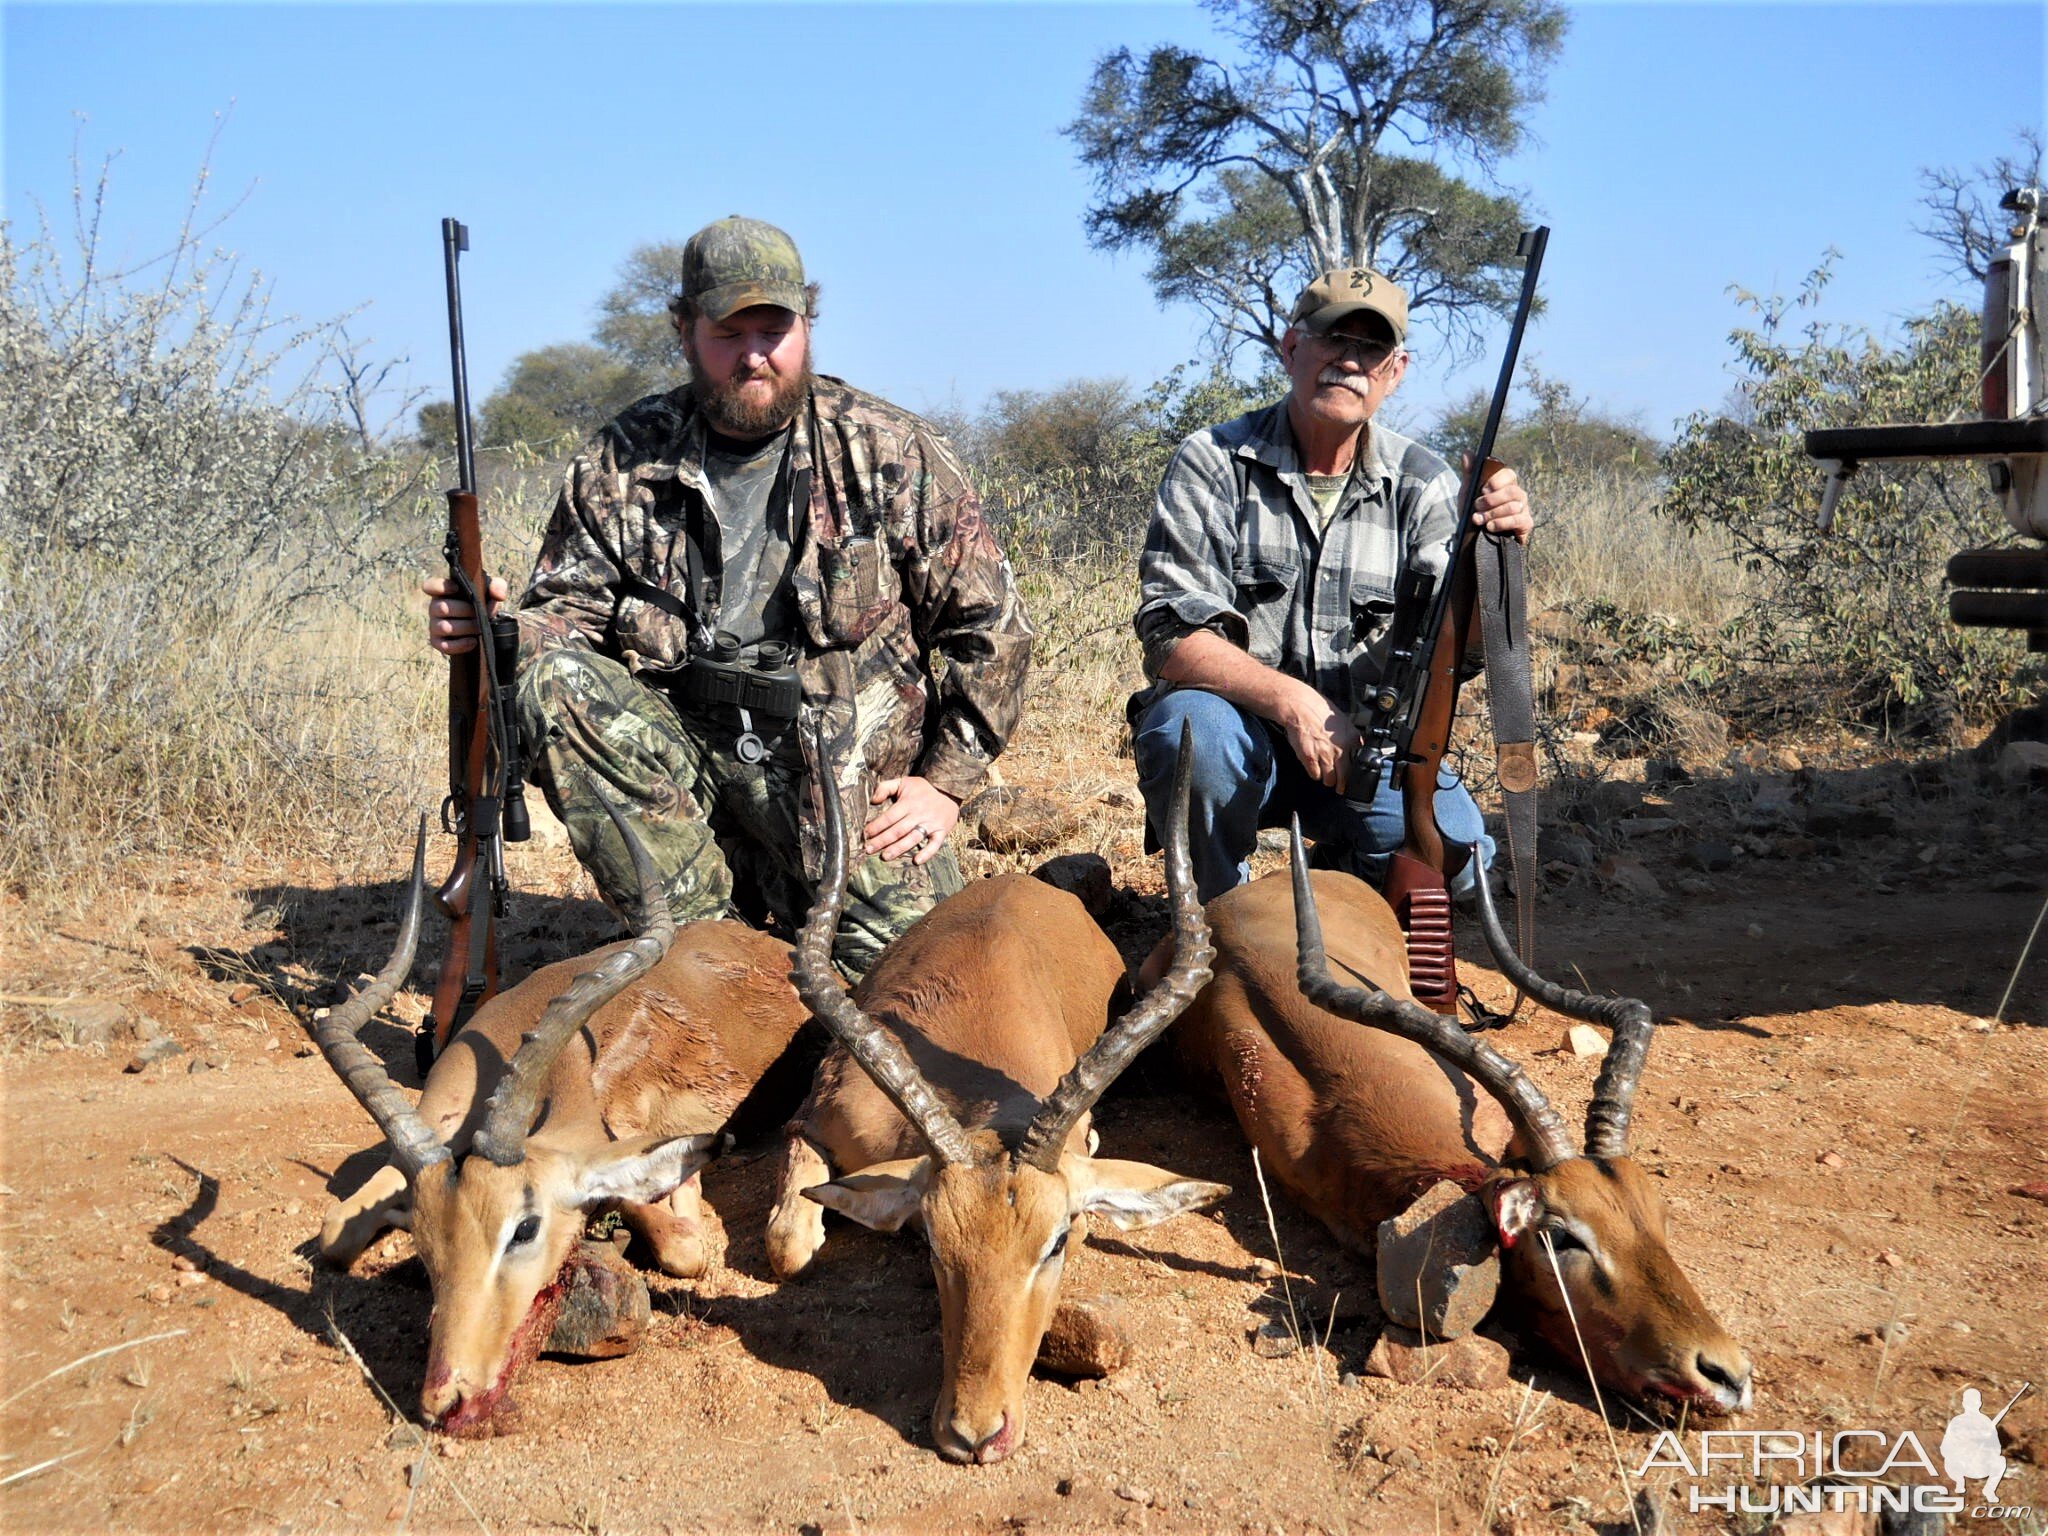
<point>1085,660</point>
<point>140,720</point>
<point>147,719</point>
<point>1600,539</point>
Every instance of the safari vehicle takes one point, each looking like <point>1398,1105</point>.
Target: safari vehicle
<point>1993,588</point>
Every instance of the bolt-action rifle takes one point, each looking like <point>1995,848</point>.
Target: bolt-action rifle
<point>486,805</point>
<point>1404,715</point>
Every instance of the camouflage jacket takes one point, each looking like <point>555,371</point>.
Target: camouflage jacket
<point>894,565</point>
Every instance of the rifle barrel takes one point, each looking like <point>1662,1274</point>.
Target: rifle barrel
<point>1530,249</point>
<point>2025,1387</point>
<point>454,241</point>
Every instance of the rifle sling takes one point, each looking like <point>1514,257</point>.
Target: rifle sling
<point>1503,594</point>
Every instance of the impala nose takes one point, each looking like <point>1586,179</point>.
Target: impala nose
<point>1727,1380</point>
<point>997,1445</point>
<point>961,1438</point>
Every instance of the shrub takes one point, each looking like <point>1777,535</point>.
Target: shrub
<point>145,718</point>
<point>1855,620</point>
<point>194,499</point>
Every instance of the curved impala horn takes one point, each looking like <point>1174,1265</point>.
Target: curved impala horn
<point>1614,1094</point>
<point>880,1054</point>
<point>413,1145</point>
<point>1549,1142</point>
<point>1118,1046</point>
<point>508,1117</point>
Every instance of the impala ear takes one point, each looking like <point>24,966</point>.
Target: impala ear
<point>1517,1205</point>
<point>643,1169</point>
<point>1130,1195</point>
<point>882,1197</point>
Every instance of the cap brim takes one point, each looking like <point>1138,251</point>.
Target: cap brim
<point>722,303</point>
<point>1321,320</point>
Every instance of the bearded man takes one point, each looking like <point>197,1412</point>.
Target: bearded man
<point>732,566</point>
<point>1267,581</point>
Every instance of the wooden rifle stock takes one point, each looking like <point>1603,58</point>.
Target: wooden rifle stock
<point>484,808</point>
<point>469,973</point>
<point>1418,886</point>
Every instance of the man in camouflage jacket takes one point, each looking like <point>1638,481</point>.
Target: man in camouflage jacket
<point>880,562</point>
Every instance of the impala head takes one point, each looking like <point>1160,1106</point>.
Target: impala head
<point>495,1241</point>
<point>1583,1250</point>
<point>998,1229</point>
<point>495,1228</point>
<point>999,1211</point>
<point>1582,1236</point>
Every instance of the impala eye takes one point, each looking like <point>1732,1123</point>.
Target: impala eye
<point>527,1230</point>
<point>1563,1239</point>
<point>1056,1247</point>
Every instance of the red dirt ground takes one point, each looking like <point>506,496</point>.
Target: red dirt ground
<point>1843,1134</point>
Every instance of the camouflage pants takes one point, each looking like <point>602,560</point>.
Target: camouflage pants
<point>723,833</point>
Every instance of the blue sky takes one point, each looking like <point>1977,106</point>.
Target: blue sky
<point>914,151</point>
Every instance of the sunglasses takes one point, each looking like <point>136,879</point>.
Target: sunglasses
<point>1365,352</point>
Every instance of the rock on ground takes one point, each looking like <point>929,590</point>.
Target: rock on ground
<point>1088,1336</point>
<point>1085,875</point>
<point>1017,820</point>
<point>606,1309</point>
<point>1473,1362</point>
<point>1439,1264</point>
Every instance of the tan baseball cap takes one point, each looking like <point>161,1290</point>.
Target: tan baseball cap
<point>738,262</point>
<point>1349,291</point>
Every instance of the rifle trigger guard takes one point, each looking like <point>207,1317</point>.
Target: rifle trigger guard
<point>451,822</point>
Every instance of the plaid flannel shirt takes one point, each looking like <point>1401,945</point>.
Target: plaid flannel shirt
<point>1236,545</point>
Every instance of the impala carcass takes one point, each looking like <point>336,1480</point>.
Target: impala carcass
<point>958,1100</point>
<point>596,1082</point>
<point>1357,1122</point>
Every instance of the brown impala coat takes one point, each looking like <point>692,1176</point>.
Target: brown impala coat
<point>959,1098</point>
<point>1356,1121</point>
<point>595,1081</point>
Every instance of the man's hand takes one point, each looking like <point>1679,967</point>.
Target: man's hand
<point>1503,506</point>
<point>451,617</point>
<point>1322,735</point>
<point>915,818</point>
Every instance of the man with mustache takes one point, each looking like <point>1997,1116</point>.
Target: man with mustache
<point>1270,567</point>
<point>733,564</point>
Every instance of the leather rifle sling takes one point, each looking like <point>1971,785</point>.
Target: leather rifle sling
<point>1510,698</point>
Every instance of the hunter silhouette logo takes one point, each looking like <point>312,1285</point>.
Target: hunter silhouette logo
<point>1969,1446</point>
<point>1786,1471</point>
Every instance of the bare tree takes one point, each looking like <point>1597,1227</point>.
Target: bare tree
<point>1344,134</point>
<point>1963,217</point>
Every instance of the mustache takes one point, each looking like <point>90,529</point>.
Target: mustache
<point>1357,383</point>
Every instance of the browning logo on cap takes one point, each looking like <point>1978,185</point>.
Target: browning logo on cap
<point>738,262</point>
<point>1350,291</point>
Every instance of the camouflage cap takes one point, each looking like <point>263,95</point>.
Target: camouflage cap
<point>738,262</point>
<point>1350,291</point>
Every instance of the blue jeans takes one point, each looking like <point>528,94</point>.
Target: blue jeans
<point>1247,777</point>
